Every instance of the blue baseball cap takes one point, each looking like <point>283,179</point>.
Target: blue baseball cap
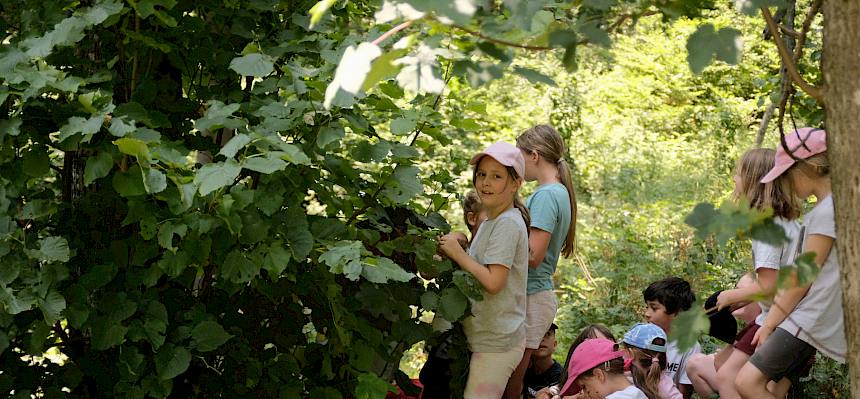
<point>642,336</point>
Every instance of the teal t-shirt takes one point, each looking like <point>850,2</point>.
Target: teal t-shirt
<point>549,208</point>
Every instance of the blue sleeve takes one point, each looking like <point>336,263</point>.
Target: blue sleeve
<point>544,211</point>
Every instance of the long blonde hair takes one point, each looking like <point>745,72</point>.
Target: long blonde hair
<point>545,140</point>
<point>778,194</point>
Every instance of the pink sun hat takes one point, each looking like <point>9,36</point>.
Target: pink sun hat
<point>803,143</point>
<point>506,154</point>
<point>588,355</point>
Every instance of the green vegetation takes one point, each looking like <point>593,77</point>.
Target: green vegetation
<point>237,198</point>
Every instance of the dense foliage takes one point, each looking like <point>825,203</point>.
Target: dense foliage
<point>237,198</point>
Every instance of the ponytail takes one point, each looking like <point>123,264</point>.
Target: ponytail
<point>546,141</point>
<point>647,369</point>
<point>518,203</point>
<point>570,240</point>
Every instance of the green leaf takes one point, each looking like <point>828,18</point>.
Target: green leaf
<point>11,127</point>
<point>255,64</point>
<point>154,181</point>
<point>238,268</point>
<point>36,162</point>
<point>134,147</point>
<point>468,284</point>
<point>77,125</point>
<point>218,115</point>
<point>383,68</point>
<point>403,125</point>
<point>119,127</point>
<point>344,258</point>
<point>129,183</point>
<point>166,233</point>
<point>235,144</point>
<point>350,74</point>
<point>106,333</point>
<point>404,184</point>
<point>382,270</point>
<point>295,155</point>
<point>429,300</point>
<point>98,166</point>
<point>276,260</point>
<point>52,249</point>
<point>752,7</point>
<point>534,76</point>
<point>569,58</point>
<point>211,177</point>
<point>768,231</point>
<point>452,304</point>
<point>328,135</point>
<point>172,361</point>
<point>266,165</point>
<point>803,267</point>
<point>370,386</point>
<point>706,44</point>
<point>51,306</point>
<point>688,326</point>
<point>208,336</point>
<point>318,10</point>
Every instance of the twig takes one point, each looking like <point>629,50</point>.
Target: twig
<point>813,91</point>
<point>392,31</point>
<point>788,31</point>
<point>765,122</point>
<point>503,42</point>
<point>807,23</point>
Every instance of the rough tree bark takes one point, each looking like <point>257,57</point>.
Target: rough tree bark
<point>842,99</point>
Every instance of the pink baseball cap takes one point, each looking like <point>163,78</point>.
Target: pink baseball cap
<point>588,355</point>
<point>803,143</point>
<point>506,154</point>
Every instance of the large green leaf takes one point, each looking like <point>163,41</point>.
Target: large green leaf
<point>344,258</point>
<point>370,386</point>
<point>688,326</point>
<point>255,64</point>
<point>52,249</point>
<point>234,145</point>
<point>208,336</point>
<point>172,361</point>
<point>238,268</point>
<point>211,177</point>
<point>51,306</point>
<point>404,184</point>
<point>707,44</point>
<point>420,72</point>
<point>134,147</point>
<point>452,304</point>
<point>382,270</point>
<point>98,166</point>
<point>85,126</point>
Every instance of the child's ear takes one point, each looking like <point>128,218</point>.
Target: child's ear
<point>471,219</point>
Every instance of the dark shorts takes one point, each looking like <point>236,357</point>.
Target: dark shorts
<point>782,355</point>
<point>743,342</point>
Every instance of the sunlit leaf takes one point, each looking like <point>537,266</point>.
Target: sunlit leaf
<point>534,76</point>
<point>404,184</point>
<point>350,75</point>
<point>318,11</point>
<point>255,64</point>
<point>370,386</point>
<point>211,177</point>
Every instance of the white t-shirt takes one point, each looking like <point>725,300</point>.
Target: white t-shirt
<point>630,392</point>
<point>497,323</point>
<point>676,362</point>
<point>818,319</point>
<point>770,256</point>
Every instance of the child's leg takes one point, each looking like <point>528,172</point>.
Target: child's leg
<point>726,375</point>
<point>489,373</point>
<point>540,312</point>
<point>782,355</point>
<point>700,369</point>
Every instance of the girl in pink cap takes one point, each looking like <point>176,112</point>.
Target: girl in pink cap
<point>597,368</point>
<point>809,317</point>
<point>498,258</point>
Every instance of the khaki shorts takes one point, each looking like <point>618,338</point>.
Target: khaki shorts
<point>489,373</point>
<point>540,312</point>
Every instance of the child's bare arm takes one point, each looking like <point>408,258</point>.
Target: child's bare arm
<point>538,243</point>
<point>765,286</point>
<point>492,277</point>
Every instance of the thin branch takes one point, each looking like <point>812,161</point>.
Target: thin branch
<point>813,91</point>
<point>503,42</point>
<point>392,31</point>
<point>618,22</point>
<point>765,122</point>
<point>788,31</point>
<point>807,23</point>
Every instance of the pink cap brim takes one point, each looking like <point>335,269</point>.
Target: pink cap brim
<point>570,388</point>
<point>775,172</point>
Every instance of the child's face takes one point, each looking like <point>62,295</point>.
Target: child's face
<point>595,384</point>
<point>547,345</point>
<point>494,185</point>
<point>475,220</point>
<point>531,158</point>
<point>655,313</point>
<point>739,184</point>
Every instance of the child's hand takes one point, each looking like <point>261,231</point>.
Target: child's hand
<point>761,335</point>
<point>726,298</point>
<point>450,245</point>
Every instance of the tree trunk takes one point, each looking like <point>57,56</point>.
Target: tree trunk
<point>842,99</point>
